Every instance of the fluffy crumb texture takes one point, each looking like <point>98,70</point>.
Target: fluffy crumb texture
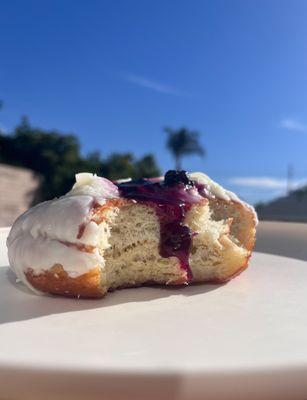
<point>129,240</point>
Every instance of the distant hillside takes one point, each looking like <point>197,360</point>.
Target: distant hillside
<point>289,208</point>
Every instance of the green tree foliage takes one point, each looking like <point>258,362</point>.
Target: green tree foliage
<point>182,142</point>
<point>56,158</point>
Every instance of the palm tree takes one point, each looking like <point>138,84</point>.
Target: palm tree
<point>182,142</point>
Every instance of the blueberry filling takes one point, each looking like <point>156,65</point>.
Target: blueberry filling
<point>171,199</point>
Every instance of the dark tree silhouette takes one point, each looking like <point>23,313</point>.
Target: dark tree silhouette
<point>183,142</point>
<point>56,158</point>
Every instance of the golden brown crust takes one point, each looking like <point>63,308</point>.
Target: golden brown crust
<point>99,213</point>
<point>57,281</point>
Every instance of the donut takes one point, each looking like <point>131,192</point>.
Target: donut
<point>179,229</point>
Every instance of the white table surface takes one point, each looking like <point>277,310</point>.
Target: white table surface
<point>243,340</point>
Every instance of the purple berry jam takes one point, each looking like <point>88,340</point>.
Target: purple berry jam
<point>171,198</point>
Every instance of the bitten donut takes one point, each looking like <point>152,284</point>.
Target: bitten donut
<point>102,235</point>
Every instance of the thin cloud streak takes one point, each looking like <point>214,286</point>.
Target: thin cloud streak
<point>293,125</point>
<point>153,85</point>
<point>264,182</point>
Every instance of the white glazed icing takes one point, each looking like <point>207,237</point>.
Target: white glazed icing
<point>124,180</point>
<point>95,186</point>
<point>41,253</point>
<point>46,234</point>
<point>213,187</point>
<point>58,219</point>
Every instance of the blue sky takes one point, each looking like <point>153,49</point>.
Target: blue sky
<point>116,72</point>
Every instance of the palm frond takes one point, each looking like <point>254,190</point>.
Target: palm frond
<point>183,141</point>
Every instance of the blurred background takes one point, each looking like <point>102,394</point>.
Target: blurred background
<point>133,88</point>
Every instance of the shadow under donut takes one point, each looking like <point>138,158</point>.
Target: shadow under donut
<point>18,303</point>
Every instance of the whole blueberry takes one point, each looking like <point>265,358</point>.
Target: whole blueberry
<point>173,177</point>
